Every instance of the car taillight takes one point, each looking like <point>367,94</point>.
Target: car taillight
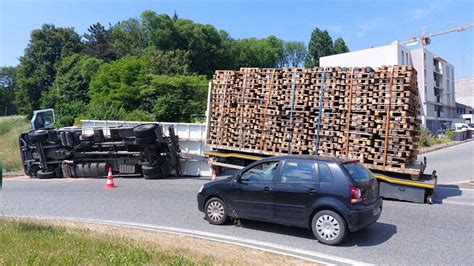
<point>355,195</point>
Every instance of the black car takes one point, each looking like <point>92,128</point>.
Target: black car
<point>330,196</point>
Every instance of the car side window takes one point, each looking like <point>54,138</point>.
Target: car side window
<point>325,174</point>
<point>298,172</point>
<point>263,172</point>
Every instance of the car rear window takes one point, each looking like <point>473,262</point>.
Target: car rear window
<point>358,171</point>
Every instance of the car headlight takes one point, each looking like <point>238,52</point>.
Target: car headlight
<point>200,190</point>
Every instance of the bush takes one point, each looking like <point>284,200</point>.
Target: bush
<point>139,115</point>
<point>425,137</point>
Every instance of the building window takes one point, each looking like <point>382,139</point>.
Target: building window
<point>403,58</point>
<point>406,56</point>
<point>426,90</point>
<point>425,73</point>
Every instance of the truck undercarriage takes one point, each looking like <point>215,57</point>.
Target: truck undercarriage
<point>142,150</point>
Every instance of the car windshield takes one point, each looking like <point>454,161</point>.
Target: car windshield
<point>358,172</point>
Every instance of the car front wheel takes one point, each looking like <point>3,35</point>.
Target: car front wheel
<point>216,211</point>
<point>329,227</point>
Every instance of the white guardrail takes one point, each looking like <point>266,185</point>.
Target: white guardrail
<point>192,140</point>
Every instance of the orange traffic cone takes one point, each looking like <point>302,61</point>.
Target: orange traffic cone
<point>214,175</point>
<point>110,179</point>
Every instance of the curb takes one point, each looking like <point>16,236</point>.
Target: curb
<point>442,146</point>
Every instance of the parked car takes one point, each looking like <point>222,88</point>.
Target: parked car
<point>330,196</point>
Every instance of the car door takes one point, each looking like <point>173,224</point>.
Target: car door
<point>253,194</point>
<point>295,189</point>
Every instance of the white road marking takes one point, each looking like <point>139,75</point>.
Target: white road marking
<point>254,244</point>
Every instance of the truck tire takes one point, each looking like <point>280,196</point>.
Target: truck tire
<point>39,135</point>
<point>44,175</point>
<point>152,172</point>
<point>145,130</point>
<point>145,140</point>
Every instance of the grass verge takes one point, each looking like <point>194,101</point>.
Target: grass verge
<point>10,128</point>
<point>34,242</point>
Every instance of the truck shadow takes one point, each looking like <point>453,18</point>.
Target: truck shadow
<point>446,191</point>
<point>373,235</point>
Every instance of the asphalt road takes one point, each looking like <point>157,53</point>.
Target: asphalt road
<point>406,233</point>
<point>454,164</point>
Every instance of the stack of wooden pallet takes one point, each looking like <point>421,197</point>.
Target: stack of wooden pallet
<point>363,113</point>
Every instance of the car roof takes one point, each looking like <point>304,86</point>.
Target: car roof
<point>327,159</point>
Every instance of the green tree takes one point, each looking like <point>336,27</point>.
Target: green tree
<point>177,98</point>
<point>340,46</point>
<point>98,43</point>
<point>294,54</point>
<point>37,71</point>
<point>7,90</point>
<point>119,83</point>
<point>174,62</point>
<point>320,44</point>
<point>128,38</point>
<point>70,92</point>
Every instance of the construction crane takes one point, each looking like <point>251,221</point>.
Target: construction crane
<point>425,39</point>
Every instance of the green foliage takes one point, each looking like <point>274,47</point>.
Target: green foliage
<point>99,43</point>
<point>427,139</point>
<point>103,111</point>
<point>128,38</point>
<point>176,98</point>
<point>320,44</point>
<point>175,62</point>
<point>449,134</point>
<point>10,128</point>
<point>70,92</point>
<point>294,54</point>
<point>119,83</point>
<point>139,115</point>
<point>7,90</point>
<point>267,52</point>
<point>37,70</point>
<point>36,243</point>
<point>340,46</point>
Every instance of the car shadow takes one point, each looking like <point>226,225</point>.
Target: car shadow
<point>373,235</point>
<point>446,191</point>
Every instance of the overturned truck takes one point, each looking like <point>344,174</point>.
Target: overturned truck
<point>67,152</point>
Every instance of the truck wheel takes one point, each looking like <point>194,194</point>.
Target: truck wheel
<point>216,211</point>
<point>145,140</point>
<point>329,227</point>
<point>152,172</point>
<point>44,175</point>
<point>39,135</point>
<point>145,130</point>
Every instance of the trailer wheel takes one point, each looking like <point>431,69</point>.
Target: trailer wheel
<point>39,135</point>
<point>145,130</point>
<point>145,140</point>
<point>44,175</point>
<point>66,170</point>
<point>152,172</point>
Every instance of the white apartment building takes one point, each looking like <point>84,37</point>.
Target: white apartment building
<point>435,78</point>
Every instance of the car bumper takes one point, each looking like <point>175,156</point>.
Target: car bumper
<point>200,201</point>
<point>364,216</point>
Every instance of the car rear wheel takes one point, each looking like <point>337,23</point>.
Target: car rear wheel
<point>329,227</point>
<point>216,211</point>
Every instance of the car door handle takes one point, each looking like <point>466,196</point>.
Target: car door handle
<point>267,189</point>
<point>311,190</point>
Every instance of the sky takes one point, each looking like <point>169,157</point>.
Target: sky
<point>362,23</point>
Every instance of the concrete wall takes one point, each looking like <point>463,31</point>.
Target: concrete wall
<point>465,91</point>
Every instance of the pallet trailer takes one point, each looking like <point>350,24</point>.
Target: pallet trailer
<point>413,188</point>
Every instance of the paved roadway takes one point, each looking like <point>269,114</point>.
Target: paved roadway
<point>406,233</point>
